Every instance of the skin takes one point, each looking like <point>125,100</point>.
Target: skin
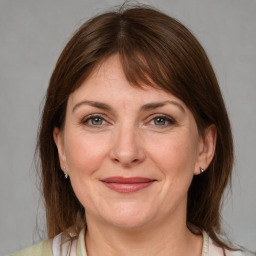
<point>129,136</point>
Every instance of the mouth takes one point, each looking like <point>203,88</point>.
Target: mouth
<point>127,185</point>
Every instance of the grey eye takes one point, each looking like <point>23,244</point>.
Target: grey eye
<point>160,121</point>
<point>96,120</point>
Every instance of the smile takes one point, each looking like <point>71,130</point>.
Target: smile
<point>127,185</point>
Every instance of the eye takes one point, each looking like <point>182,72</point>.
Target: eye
<point>94,120</point>
<point>162,121</point>
<point>159,121</point>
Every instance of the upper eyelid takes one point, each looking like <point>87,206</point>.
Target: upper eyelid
<point>95,115</point>
<point>88,117</point>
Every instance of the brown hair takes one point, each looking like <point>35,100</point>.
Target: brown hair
<point>157,50</point>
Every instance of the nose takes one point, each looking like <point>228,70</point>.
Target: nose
<point>127,149</point>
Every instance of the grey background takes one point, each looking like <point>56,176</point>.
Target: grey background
<point>32,34</point>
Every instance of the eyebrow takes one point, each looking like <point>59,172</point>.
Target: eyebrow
<point>145,107</point>
<point>95,104</point>
<point>154,105</point>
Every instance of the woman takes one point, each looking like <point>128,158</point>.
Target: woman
<point>135,142</point>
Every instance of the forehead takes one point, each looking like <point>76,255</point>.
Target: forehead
<point>108,82</point>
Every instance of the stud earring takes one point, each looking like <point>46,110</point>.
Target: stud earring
<point>201,170</point>
<point>65,174</point>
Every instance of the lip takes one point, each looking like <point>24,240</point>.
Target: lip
<point>127,185</point>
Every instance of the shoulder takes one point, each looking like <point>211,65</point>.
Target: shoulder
<point>41,249</point>
<point>215,250</point>
<point>59,245</point>
<point>237,253</point>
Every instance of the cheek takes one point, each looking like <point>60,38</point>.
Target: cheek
<point>84,154</point>
<point>175,155</point>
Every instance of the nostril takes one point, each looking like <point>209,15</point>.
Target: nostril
<point>126,163</point>
<point>127,155</point>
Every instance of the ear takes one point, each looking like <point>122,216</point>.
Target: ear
<point>206,149</point>
<point>59,141</point>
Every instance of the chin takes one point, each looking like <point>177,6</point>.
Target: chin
<point>128,218</point>
<point>128,224</point>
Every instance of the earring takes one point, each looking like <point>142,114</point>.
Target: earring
<point>201,170</point>
<point>65,174</point>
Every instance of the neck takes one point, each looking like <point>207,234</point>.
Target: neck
<point>162,239</point>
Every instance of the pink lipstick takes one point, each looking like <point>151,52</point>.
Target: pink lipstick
<point>127,185</point>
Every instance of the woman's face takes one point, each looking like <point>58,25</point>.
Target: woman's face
<point>130,153</point>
